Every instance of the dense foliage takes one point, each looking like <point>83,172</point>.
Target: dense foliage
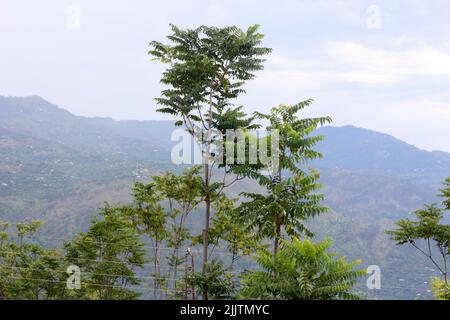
<point>291,197</point>
<point>28,270</point>
<point>302,270</point>
<point>107,255</point>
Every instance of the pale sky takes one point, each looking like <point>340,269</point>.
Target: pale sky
<point>381,65</point>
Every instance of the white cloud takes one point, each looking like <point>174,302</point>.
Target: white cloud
<point>422,122</point>
<point>341,62</point>
<point>384,65</point>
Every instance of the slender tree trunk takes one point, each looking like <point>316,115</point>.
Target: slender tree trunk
<point>176,254</point>
<point>206,223</point>
<point>178,244</point>
<point>175,272</point>
<point>276,242</point>
<point>278,219</point>
<point>157,278</point>
<point>443,252</point>
<point>208,196</point>
<point>206,230</point>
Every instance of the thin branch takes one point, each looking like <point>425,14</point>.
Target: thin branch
<point>430,257</point>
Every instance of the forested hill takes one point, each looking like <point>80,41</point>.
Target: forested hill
<point>60,168</point>
<point>371,152</point>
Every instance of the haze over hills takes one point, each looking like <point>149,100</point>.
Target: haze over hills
<point>60,168</point>
<point>367,151</point>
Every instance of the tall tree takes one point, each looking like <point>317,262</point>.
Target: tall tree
<point>160,210</point>
<point>150,219</point>
<point>183,193</point>
<point>208,67</point>
<point>291,196</point>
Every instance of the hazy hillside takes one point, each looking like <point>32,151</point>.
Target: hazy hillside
<point>371,152</point>
<point>55,164</point>
<point>35,117</point>
<point>60,168</point>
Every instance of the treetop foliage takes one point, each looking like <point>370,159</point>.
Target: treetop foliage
<point>208,66</point>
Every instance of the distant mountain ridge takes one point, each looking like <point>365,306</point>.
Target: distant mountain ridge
<point>368,151</point>
<point>60,168</point>
<point>33,116</point>
<point>347,147</point>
